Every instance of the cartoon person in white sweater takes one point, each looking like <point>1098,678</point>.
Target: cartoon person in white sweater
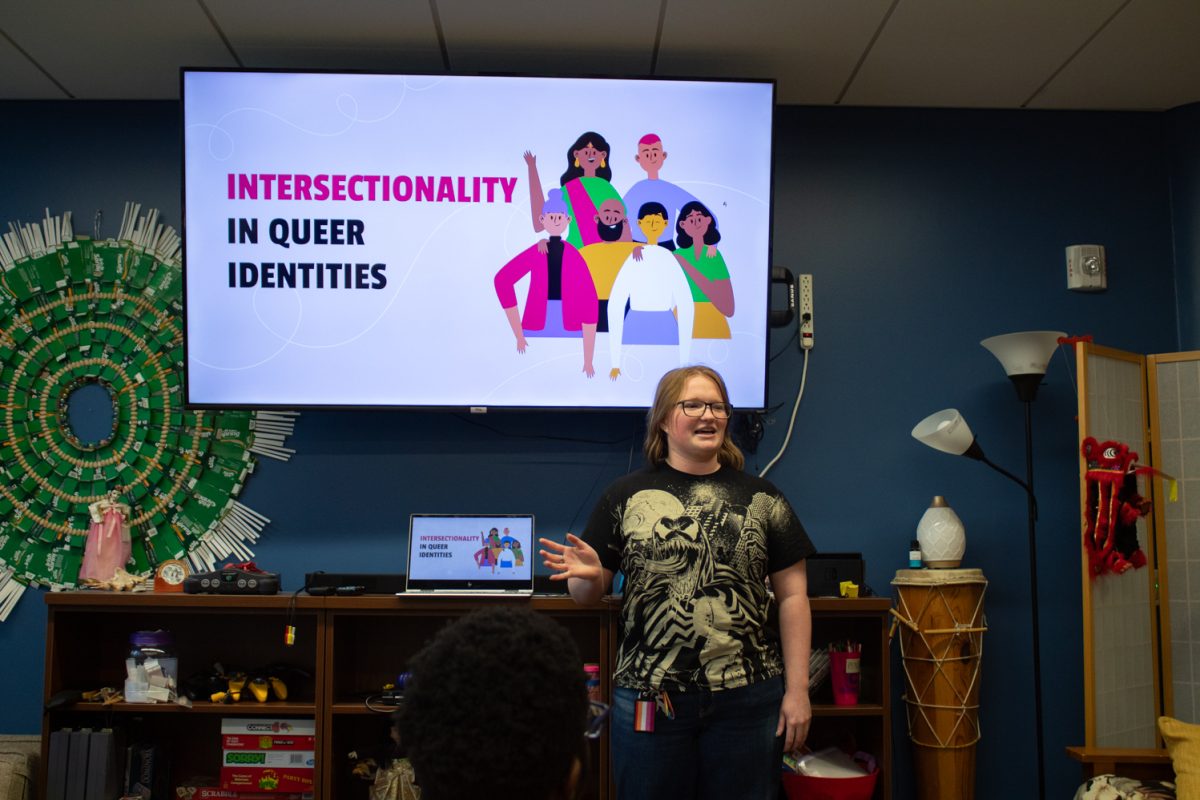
<point>661,309</point>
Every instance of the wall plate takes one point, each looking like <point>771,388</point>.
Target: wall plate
<point>1086,268</point>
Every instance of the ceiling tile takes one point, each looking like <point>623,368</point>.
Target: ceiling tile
<point>613,38</point>
<point>982,54</point>
<point>383,35</point>
<point>948,53</point>
<point>126,50</point>
<point>20,79</point>
<point>1148,57</point>
<point>810,47</point>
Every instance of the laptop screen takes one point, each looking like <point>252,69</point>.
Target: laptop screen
<point>470,553</point>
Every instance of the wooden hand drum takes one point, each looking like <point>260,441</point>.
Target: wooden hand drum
<point>939,615</point>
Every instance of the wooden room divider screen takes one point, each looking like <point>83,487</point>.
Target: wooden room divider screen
<point>1139,647</point>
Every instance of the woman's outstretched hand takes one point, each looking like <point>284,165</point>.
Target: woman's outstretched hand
<point>575,559</point>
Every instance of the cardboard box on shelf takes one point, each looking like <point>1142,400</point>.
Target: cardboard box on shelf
<point>267,779</point>
<point>268,755</point>
<point>234,741</point>
<point>268,726</point>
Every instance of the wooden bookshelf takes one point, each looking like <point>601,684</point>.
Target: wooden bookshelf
<point>866,726</point>
<point>351,647</point>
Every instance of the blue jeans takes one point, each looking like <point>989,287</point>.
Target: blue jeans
<point>720,745</point>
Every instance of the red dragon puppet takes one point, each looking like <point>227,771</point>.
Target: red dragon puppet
<point>1113,507</point>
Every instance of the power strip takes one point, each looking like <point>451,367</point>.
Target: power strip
<point>806,312</point>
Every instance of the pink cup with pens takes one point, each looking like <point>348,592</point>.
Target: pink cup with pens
<point>844,665</point>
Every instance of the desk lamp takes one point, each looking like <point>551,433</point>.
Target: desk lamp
<point>1024,357</point>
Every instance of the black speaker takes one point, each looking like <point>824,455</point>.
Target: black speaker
<point>827,570</point>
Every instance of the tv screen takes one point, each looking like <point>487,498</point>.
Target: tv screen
<point>373,240</point>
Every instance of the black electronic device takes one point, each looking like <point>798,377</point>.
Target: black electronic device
<point>231,580</point>
<point>778,317</point>
<point>327,583</point>
<point>827,570</point>
<point>722,155</point>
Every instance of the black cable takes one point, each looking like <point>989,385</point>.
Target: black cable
<point>289,630</point>
<point>787,345</point>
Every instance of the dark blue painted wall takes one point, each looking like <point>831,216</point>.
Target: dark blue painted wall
<point>1184,143</point>
<point>925,231</point>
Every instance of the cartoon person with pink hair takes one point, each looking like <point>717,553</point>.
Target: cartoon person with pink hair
<point>650,157</point>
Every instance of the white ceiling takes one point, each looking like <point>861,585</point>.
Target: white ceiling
<point>1041,54</point>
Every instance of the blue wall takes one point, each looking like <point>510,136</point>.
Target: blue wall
<point>925,231</point>
<point>1184,143</point>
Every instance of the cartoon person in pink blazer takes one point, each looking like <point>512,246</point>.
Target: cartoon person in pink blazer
<point>561,301</point>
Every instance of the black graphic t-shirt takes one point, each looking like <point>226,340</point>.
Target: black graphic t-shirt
<point>695,550</point>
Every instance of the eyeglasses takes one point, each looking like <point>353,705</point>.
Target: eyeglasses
<point>695,408</point>
<point>597,717</point>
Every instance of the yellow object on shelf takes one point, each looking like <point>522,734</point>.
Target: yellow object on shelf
<point>848,589</point>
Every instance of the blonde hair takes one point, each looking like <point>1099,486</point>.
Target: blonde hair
<point>670,387</point>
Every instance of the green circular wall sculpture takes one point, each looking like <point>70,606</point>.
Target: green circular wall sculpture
<point>75,311</point>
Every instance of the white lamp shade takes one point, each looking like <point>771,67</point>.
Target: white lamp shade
<point>1025,353</point>
<point>946,431</point>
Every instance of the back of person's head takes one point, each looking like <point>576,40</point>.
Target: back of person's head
<point>496,707</point>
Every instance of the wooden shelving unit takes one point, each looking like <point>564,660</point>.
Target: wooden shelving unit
<point>369,640</point>
<point>351,647</point>
<point>868,725</point>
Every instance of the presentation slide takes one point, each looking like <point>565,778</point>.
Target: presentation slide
<point>471,549</point>
<point>387,240</point>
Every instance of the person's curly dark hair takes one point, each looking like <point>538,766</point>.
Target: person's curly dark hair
<point>495,707</point>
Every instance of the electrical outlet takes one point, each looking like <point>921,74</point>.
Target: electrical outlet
<point>806,312</point>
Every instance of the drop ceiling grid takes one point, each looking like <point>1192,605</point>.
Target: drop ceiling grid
<point>1147,58</point>
<point>810,47</point>
<point>985,54</point>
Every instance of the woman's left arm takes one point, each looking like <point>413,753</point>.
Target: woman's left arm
<point>719,291</point>
<point>795,629</point>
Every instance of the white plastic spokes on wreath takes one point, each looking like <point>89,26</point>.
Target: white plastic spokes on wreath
<point>77,311</point>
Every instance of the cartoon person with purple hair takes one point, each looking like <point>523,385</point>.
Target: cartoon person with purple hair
<point>561,300</point>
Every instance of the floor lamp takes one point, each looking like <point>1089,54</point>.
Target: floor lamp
<point>1024,357</point>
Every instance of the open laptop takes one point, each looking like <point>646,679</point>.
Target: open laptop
<point>470,554</point>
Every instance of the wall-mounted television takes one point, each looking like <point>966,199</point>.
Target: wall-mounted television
<point>384,240</point>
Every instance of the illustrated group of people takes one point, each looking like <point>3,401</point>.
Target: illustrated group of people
<point>707,694</point>
<point>643,267</point>
<point>499,551</point>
